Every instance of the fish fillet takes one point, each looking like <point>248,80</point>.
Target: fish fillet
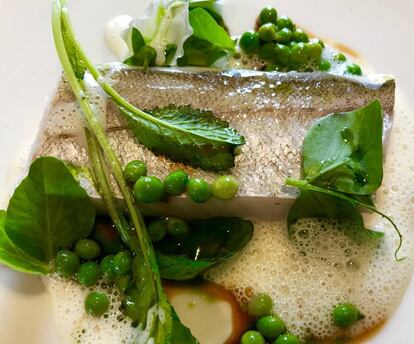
<point>272,110</point>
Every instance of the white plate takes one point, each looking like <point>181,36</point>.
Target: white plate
<point>382,31</point>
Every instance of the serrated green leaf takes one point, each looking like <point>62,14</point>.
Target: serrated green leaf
<point>211,241</point>
<point>186,135</point>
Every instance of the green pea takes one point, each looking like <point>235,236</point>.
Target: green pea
<point>134,170</point>
<point>287,338</point>
<point>96,304</point>
<point>252,337</point>
<point>346,314</point>
<point>175,183</point>
<point>315,51</point>
<point>271,326</point>
<point>339,57</point>
<point>225,187</point>
<point>267,32</point>
<point>250,42</point>
<point>157,229</point>
<point>198,190</point>
<point>87,249</point>
<point>106,235</point>
<point>122,263</point>
<point>282,54</point>
<point>177,228</point>
<point>300,36</point>
<point>299,54</point>
<point>284,35</point>
<point>122,283</point>
<point>259,305</point>
<point>354,69</point>
<point>148,189</point>
<point>324,66</point>
<point>67,263</point>
<point>268,15</point>
<point>267,51</point>
<point>88,274</point>
<point>107,268</point>
<point>284,22</point>
<point>146,56</point>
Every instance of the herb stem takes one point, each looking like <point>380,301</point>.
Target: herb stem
<point>305,185</point>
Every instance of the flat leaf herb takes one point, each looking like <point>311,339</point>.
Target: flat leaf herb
<point>341,169</point>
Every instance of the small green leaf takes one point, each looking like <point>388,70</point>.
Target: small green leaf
<point>210,241</point>
<point>343,151</point>
<point>198,52</point>
<point>16,259</point>
<point>137,41</point>
<point>48,210</point>
<point>186,135</point>
<point>312,204</point>
<point>206,28</point>
<point>180,333</point>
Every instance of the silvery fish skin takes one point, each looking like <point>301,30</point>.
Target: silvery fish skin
<point>272,110</point>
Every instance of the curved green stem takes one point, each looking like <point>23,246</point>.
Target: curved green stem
<point>305,185</point>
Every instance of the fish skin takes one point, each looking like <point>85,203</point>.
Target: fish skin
<point>271,110</point>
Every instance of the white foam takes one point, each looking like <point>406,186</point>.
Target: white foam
<point>305,288</point>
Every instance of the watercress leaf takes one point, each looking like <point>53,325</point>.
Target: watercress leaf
<point>312,204</point>
<point>16,259</point>
<point>186,135</point>
<point>210,241</point>
<point>343,151</point>
<point>206,28</point>
<point>198,52</point>
<point>212,7</point>
<point>48,210</point>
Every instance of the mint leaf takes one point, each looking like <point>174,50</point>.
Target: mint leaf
<point>210,242</point>
<point>186,135</point>
<point>48,210</point>
<point>343,151</point>
<point>206,28</point>
<point>16,259</point>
